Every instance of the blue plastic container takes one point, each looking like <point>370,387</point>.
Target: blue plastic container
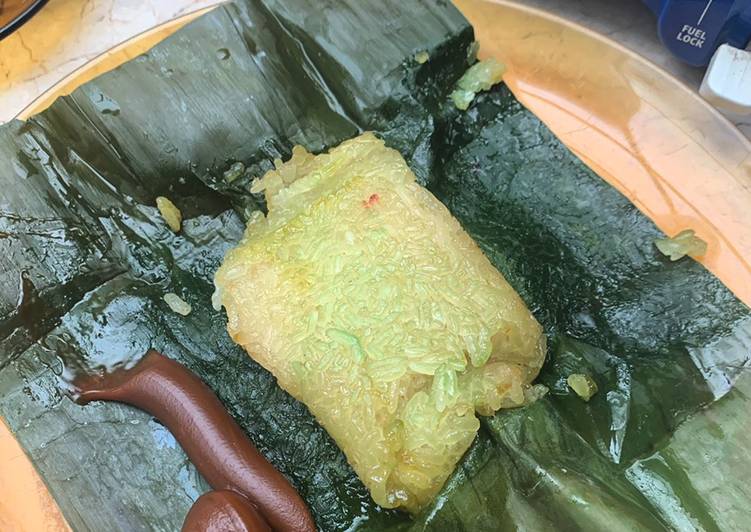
<point>693,29</point>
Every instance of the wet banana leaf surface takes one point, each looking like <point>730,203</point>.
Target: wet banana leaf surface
<point>85,260</point>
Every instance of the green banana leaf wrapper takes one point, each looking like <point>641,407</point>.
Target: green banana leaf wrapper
<point>85,260</point>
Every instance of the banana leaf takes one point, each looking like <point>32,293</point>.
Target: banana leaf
<point>85,260</point>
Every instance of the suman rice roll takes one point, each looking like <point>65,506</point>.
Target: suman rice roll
<point>370,304</point>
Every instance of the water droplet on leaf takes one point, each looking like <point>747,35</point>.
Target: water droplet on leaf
<point>106,105</point>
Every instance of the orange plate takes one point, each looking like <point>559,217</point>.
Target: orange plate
<point>651,137</point>
<point>678,160</point>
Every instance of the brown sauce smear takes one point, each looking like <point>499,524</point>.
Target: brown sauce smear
<point>224,511</point>
<point>211,438</point>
